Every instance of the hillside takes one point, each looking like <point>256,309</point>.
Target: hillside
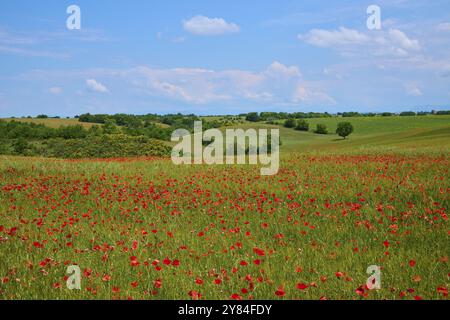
<point>392,132</point>
<point>371,133</point>
<point>51,122</point>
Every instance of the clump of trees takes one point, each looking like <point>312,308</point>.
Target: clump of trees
<point>407,114</point>
<point>321,129</point>
<point>302,125</point>
<point>109,140</point>
<point>290,123</point>
<point>107,146</point>
<point>271,117</point>
<point>151,125</point>
<point>253,117</point>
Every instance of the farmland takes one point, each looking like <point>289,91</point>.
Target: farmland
<point>51,122</point>
<point>143,228</point>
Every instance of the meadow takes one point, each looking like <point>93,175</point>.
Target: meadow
<point>143,228</point>
<point>51,122</point>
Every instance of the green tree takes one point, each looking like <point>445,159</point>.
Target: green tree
<point>252,117</point>
<point>302,125</point>
<point>110,126</point>
<point>290,123</point>
<point>72,132</point>
<point>95,130</point>
<point>321,129</point>
<point>20,146</point>
<point>344,129</point>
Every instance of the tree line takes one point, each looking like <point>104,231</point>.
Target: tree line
<point>271,117</point>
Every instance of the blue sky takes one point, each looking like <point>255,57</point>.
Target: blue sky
<point>228,57</point>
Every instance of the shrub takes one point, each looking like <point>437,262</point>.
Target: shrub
<point>106,146</point>
<point>350,114</point>
<point>252,117</point>
<point>290,123</point>
<point>20,146</point>
<point>407,114</point>
<point>302,125</point>
<point>72,132</point>
<point>321,129</point>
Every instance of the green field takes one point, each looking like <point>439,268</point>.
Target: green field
<point>148,229</point>
<point>394,133</point>
<point>52,123</point>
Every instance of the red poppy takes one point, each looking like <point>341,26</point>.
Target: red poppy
<point>302,286</point>
<point>235,296</point>
<point>195,295</point>
<point>134,262</point>
<point>176,263</point>
<point>157,283</point>
<point>280,292</point>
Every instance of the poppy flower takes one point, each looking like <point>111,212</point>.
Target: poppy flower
<point>280,292</point>
<point>235,296</point>
<point>302,286</point>
<point>195,295</point>
<point>157,283</point>
<point>134,262</point>
<point>176,263</point>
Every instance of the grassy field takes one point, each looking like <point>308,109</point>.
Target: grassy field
<point>393,133</point>
<point>147,229</point>
<point>52,123</point>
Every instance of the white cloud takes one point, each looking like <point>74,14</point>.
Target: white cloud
<point>305,94</point>
<point>332,38</point>
<point>444,26</point>
<point>55,90</point>
<point>278,83</point>
<point>353,42</point>
<point>400,38</point>
<point>204,26</point>
<point>95,86</point>
<point>278,70</point>
<point>413,89</point>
